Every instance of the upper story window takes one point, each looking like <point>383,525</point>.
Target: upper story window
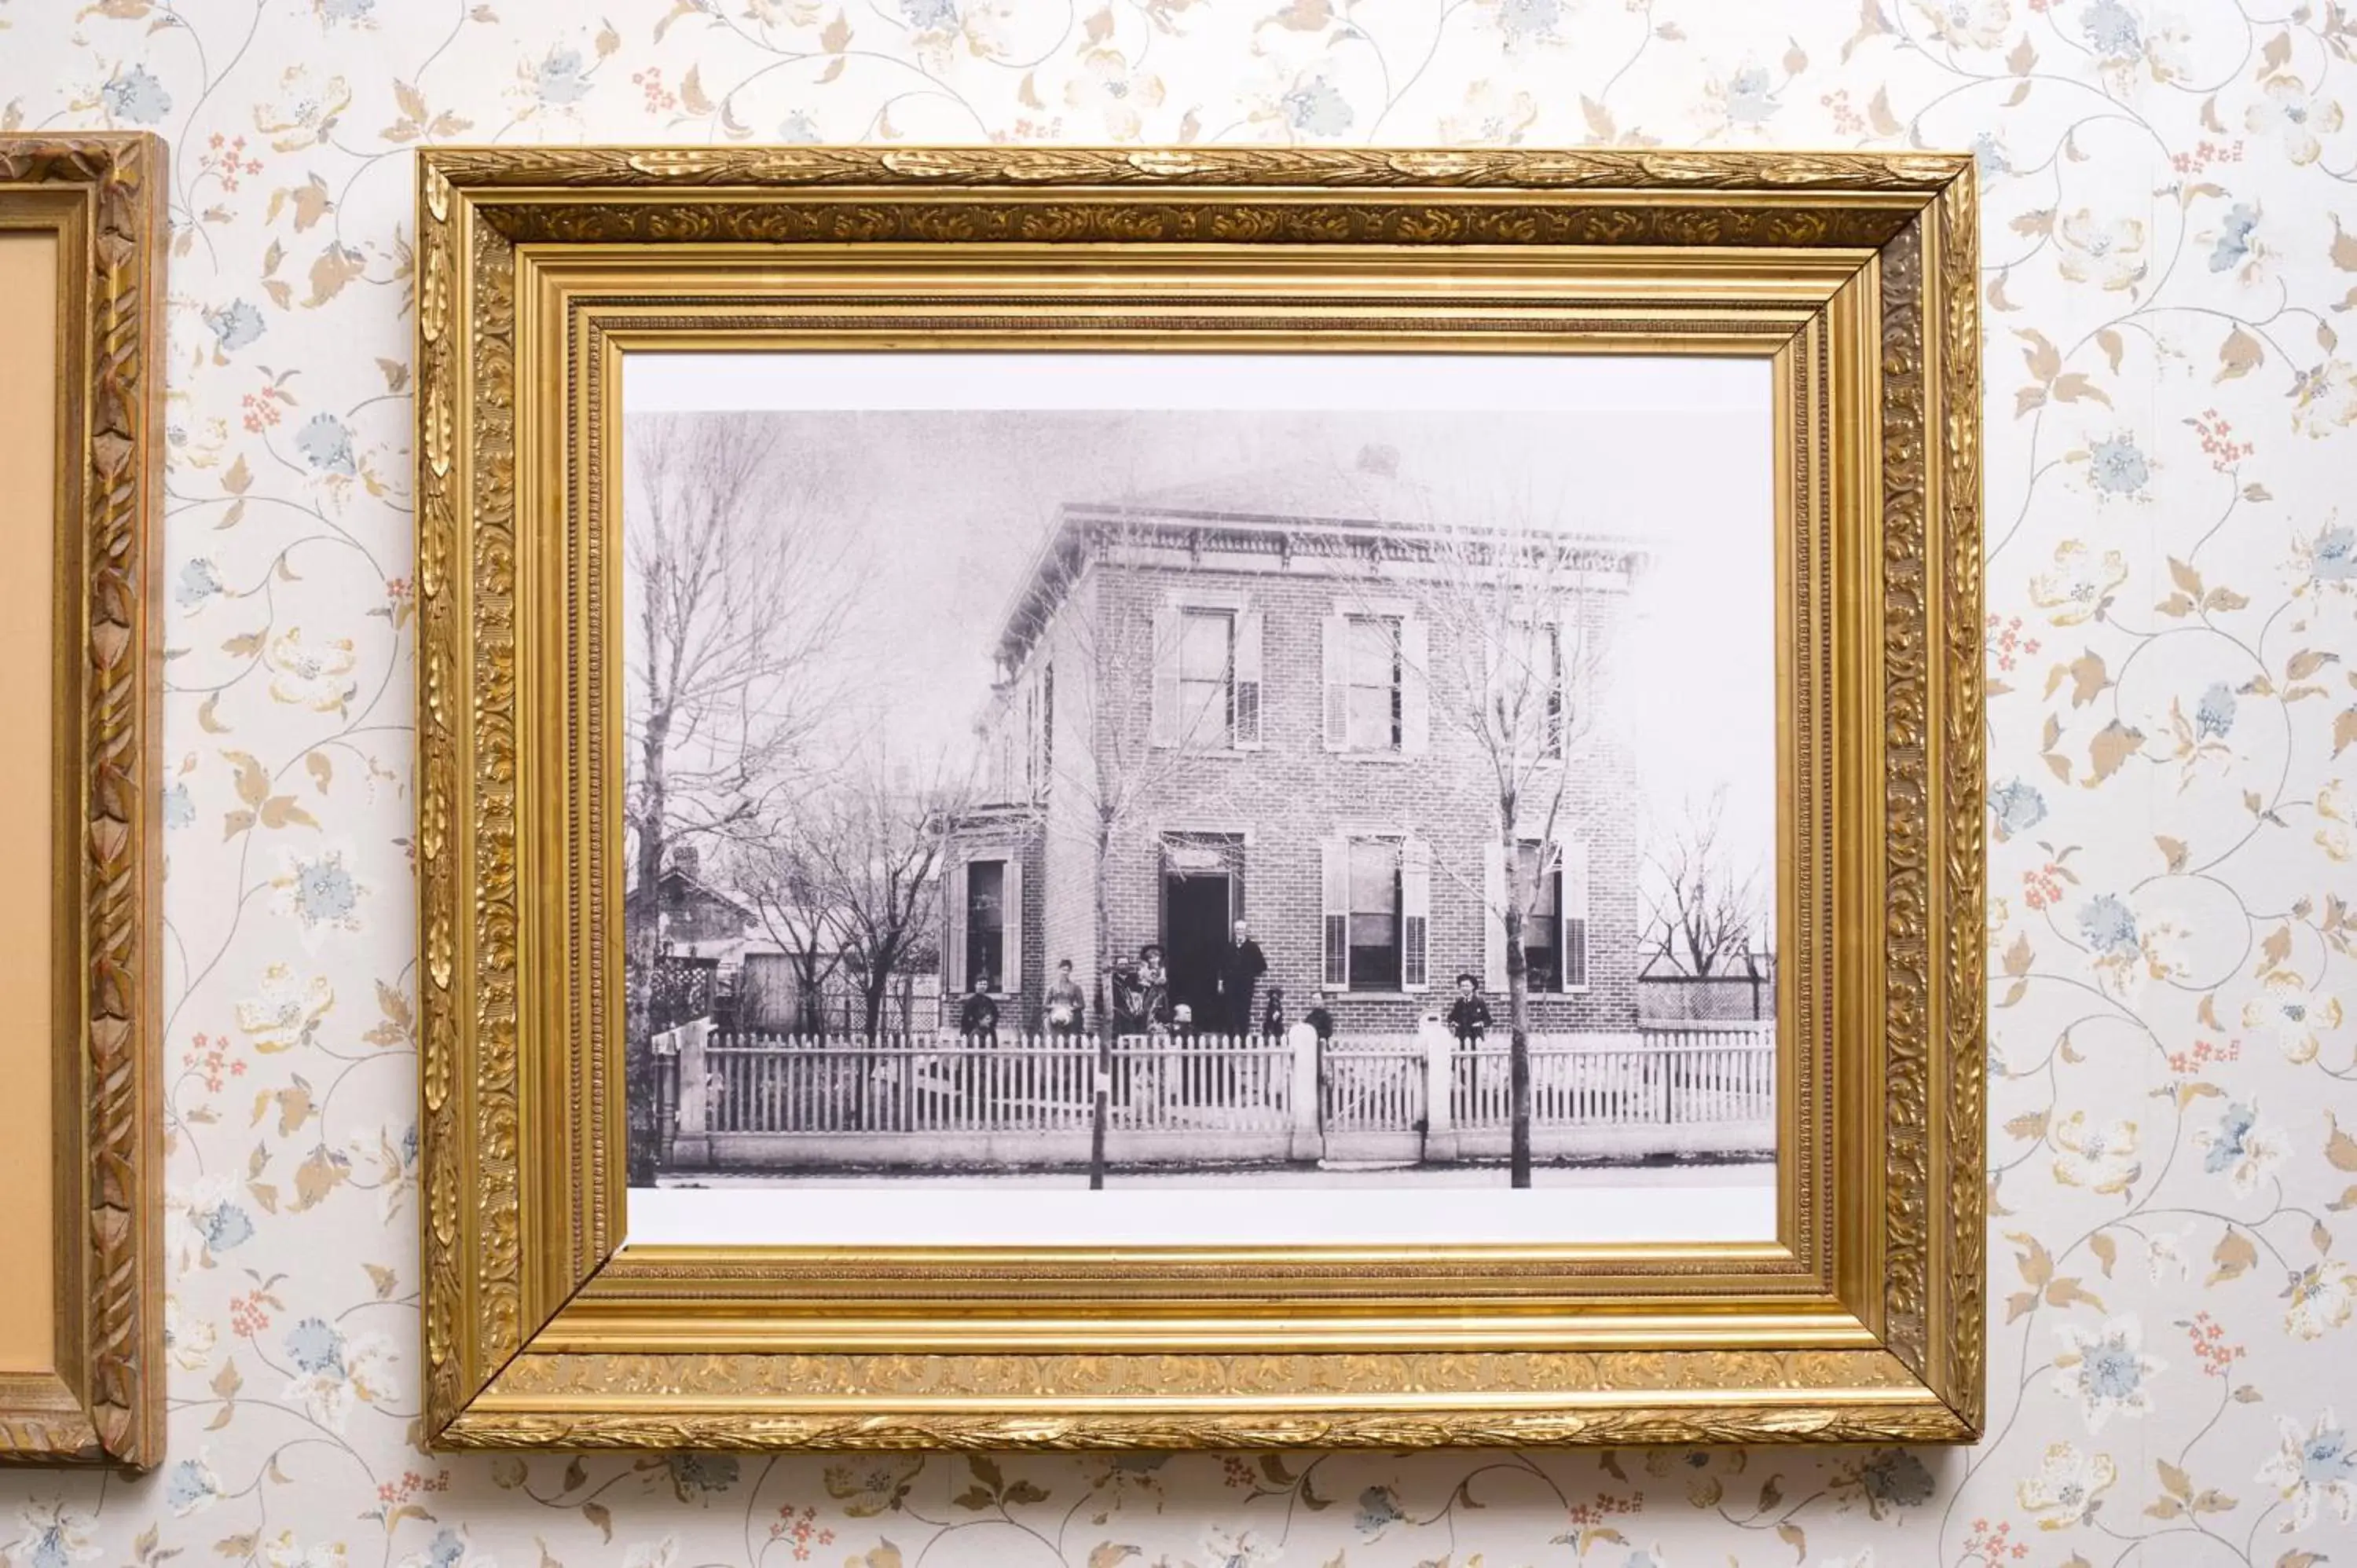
<point>1377,700</point>
<point>1372,722</point>
<point>1207,672</point>
<point>1207,669</point>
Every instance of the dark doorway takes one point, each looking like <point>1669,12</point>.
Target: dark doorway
<point>1195,931</point>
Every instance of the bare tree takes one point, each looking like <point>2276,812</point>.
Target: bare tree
<point>1512,665</point>
<point>785,883</point>
<point>733,586</point>
<point>875,843</point>
<point>1704,911</point>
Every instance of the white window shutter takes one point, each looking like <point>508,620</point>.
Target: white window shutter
<point>953,900</point>
<point>1573,959</point>
<point>1334,867</point>
<point>1338,682</point>
<point>1416,686</point>
<point>1415,916</point>
<point>1495,891</point>
<point>1010,961</point>
<point>1166,629</point>
<point>1250,627</point>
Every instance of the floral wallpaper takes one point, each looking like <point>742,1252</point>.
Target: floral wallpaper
<point>2171,258</point>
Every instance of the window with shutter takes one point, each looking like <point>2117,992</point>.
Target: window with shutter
<point>1375,948</point>
<point>985,923</point>
<point>1411,674</point>
<point>1538,884</point>
<point>1416,915</point>
<point>1206,677</point>
<point>1336,651</point>
<point>1334,881</point>
<point>1372,716</point>
<point>1575,892</point>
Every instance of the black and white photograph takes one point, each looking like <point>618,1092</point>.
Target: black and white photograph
<point>1078,796</point>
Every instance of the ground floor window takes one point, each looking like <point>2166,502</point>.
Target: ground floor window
<point>1538,887</point>
<point>985,923</point>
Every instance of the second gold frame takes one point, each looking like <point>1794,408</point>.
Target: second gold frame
<point>1852,275</point>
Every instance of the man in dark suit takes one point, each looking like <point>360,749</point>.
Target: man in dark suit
<point>1241,967</point>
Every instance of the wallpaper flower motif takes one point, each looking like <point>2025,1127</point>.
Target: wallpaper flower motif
<point>2170,249</point>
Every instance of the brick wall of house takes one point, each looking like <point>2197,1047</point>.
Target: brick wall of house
<point>1287,797</point>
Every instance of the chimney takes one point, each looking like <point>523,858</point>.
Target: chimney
<point>687,860</point>
<point>1379,458</point>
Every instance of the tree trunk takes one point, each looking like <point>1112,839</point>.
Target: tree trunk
<point>641,949</point>
<point>1518,1024</point>
<point>1100,1109</point>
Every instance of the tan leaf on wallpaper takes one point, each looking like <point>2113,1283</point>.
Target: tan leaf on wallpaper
<point>410,102</point>
<point>2346,1201</point>
<point>2208,1012</point>
<point>1870,25</point>
<point>2018,956</point>
<point>2067,1291</point>
<point>598,1514</point>
<point>2021,58</point>
<point>2067,1051</point>
<point>1996,292</point>
<point>2277,52</point>
<point>2106,1251</point>
<point>2030,1126</point>
<point>2172,852</point>
<point>1878,117</point>
<point>691,92</point>
<point>836,37</point>
<point>319,1173</point>
<point>205,716</point>
<point>2076,387</point>
<point>2164,1508</point>
<point>244,644</point>
<point>1670,32</point>
<point>338,265</point>
<point>2239,354</point>
<point>2019,95</point>
<point>239,479</point>
<point>2036,1263</point>
<point>2210,121</point>
<point>2344,247</point>
<point>2275,950</point>
<point>2183,575</point>
<point>2306,663</point>
<point>1793,1536</point>
<point>2210,1499</point>
<point>1026,93</point>
<point>321,770</point>
<point>2044,360</point>
<point>679,8</point>
<point>510,1471</point>
<point>295,1106</point>
<point>2344,730</point>
<point>2054,731</point>
<point>1599,118</point>
<point>2233,1255</point>
<point>608,40</point>
<point>1796,59</point>
<point>2320,1238</point>
<point>2035,221</point>
<point>383,1279</point>
<point>2175,605</point>
<point>2174,1481</point>
<point>2296,1558</point>
<point>2021,1305</point>
<point>253,781</point>
<point>2028,398</point>
<point>2223,598</point>
<point>2113,745</point>
<point>2113,345</point>
<point>2339,1146</point>
<point>234,823</point>
<point>2089,679</point>
<point>2245,1394</point>
<point>285,812</point>
<point>310,199</point>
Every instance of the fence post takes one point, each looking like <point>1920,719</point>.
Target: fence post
<point>1439,1089</point>
<point>1306,1143</point>
<point>691,1142</point>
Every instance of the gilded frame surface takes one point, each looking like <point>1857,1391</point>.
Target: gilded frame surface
<point>104,197</point>
<point>1853,274</point>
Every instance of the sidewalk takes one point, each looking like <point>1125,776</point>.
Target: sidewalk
<point>1688,1174</point>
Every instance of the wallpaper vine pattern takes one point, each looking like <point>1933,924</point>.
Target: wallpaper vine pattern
<point>2171,250</point>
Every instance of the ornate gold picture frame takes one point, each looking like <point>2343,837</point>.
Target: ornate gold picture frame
<point>83,232</point>
<point>1850,277</point>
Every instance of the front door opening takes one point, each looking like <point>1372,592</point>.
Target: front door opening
<point>1195,931</point>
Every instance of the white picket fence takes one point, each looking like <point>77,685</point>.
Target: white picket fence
<point>787,1100</point>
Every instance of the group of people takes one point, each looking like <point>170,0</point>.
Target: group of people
<point>1142,1001</point>
<point>1141,998</point>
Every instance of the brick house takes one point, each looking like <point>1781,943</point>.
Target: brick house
<point>1245,669</point>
